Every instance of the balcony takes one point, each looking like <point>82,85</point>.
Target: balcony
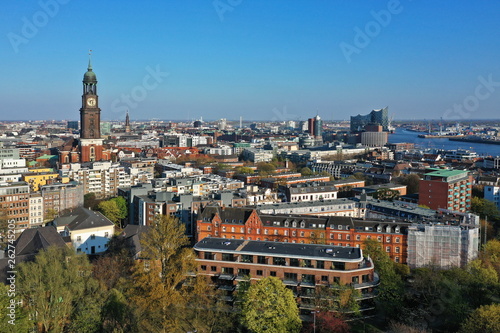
<point>226,276</point>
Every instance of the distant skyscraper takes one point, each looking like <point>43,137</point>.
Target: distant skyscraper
<point>375,117</point>
<point>315,127</point>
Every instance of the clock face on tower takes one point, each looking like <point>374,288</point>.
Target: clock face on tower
<point>91,101</point>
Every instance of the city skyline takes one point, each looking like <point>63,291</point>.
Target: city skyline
<point>258,60</point>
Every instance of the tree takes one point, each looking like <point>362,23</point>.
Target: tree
<point>270,307</point>
<point>53,286</point>
<point>485,208</point>
<point>156,296</point>
<point>205,310</point>
<point>411,181</point>
<point>121,203</point>
<point>265,169</point>
<point>90,201</point>
<point>328,322</point>
<point>305,171</point>
<point>111,210</point>
<point>391,285</point>
<point>485,319</point>
<point>13,318</point>
<point>50,214</point>
<point>243,170</point>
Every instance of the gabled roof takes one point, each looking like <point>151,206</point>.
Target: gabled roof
<point>83,218</point>
<point>31,241</point>
<point>227,214</point>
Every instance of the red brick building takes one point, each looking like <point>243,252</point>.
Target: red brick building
<point>447,189</point>
<point>249,224</point>
<point>302,268</point>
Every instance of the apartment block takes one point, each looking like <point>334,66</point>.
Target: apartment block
<point>447,189</point>
<point>302,268</point>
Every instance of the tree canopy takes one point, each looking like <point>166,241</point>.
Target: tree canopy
<point>270,307</point>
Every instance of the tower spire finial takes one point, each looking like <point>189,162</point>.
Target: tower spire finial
<point>90,60</point>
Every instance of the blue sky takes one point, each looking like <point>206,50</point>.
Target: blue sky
<point>280,60</point>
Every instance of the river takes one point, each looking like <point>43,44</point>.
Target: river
<point>482,149</point>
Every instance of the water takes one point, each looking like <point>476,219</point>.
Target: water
<point>482,149</point>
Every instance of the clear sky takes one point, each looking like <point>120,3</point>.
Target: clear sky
<point>262,60</point>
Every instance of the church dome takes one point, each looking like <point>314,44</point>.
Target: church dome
<point>89,76</point>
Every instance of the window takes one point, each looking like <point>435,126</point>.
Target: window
<point>272,273</point>
<point>358,237</point>
<point>324,278</point>
<point>78,238</point>
<point>92,236</point>
<point>203,267</point>
<point>397,239</point>
<point>397,249</point>
<point>208,256</point>
<point>213,268</point>
<point>387,249</point>
<point>259,272</point>
<point>340,236</point>
<point>320,264</point>
<point>388,239</point>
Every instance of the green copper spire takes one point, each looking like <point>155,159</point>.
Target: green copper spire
<point>90,61</point>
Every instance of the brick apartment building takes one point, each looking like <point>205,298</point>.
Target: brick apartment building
<point>249,224</point>
<point>302,268</point>
<point>447,189</point>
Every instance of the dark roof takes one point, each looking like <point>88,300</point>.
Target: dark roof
<point>227,214</point>
<point>132,235</point>
<point>31,241</point>
<point>345,253</point>
<point>83,218</point>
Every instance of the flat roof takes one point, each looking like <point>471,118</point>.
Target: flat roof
<point>313,251</point>
<point>303,204</point>
<point>445,173</point>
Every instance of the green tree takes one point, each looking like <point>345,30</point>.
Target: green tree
<point>90,201</point>
<point>54,285</point>
<point>391,285</point>
<point>111,210</point>
<point>305,171</point>
<point>243,170</point>
<point>270,307</point>
<point>411,181</point>
<point>485,319</point>
<point>121,203</point>
<point>266,169</point>
<point>13,317</point>
<point>485,208</point>
<point>50,214</point>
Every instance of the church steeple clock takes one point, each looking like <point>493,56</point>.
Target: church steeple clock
<point>90,118</point>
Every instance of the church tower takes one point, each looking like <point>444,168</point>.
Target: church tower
<point>90,119</point>
<point>127,124</point>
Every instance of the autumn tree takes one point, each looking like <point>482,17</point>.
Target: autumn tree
<point>156,294</point>
<point>205,309</point>
<point>270,307</point>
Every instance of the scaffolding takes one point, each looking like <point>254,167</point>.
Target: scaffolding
<point>441,246</point>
